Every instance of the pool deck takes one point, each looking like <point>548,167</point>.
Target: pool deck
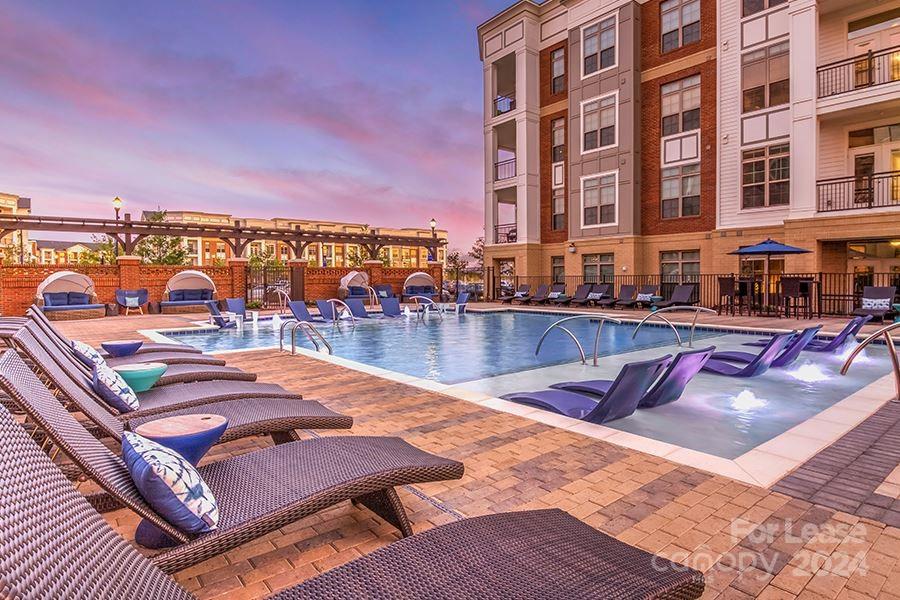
<point>794,540</point>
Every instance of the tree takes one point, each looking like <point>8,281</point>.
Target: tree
<point>358,255</point>
<point>477,253</point>
<point>264,259</point>
<point>456,265</point>
<point>104,254</point>
<point>161,249</point>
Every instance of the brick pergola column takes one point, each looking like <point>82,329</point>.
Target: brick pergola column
<point>238,266</point>
<point>375,270</point>
<point>298,277</point>
<point>436,270</point>
<point>129,272</point>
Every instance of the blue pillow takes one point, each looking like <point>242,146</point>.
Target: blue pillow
<point>207,295</point>
<point>170,484</point>
<point>193,295</point>
<point>110,386</point>
<point>56,298</point>
<point>132,302</point>
<point>77,298</point>
<point>176,295</point>
<point>87,354</point>
<point>427,290</point>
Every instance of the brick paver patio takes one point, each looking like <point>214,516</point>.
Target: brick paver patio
<point>750,542</point>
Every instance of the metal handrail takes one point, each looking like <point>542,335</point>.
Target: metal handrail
<point>892,350</point>
<point>558,325</point>
<point>282,295</point>
<point>697,310</point>
<point>309,330</point>
<point>337,314</point>
<point>425,305</point>
<point>373,295</point>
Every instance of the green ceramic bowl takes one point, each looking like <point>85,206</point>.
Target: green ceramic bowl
<point>141,377</point>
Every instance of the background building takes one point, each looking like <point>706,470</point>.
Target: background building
<point>15,247</point>
<point>52,252</point>
<point>655,137</point>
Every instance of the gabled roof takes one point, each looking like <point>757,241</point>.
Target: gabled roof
<point>63,245</point>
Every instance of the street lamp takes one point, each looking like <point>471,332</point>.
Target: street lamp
<point>433,224</point>
<point>117,204</point>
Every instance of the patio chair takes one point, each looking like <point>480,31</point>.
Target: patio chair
<point>646,292</point>
<point>521,292</point>
<point>599,292</point>
<point>758,365</point>
<point>49,527</point>
<point>626,297</point>
<point>36,315</point>
<point>670,386</point>
<point>540,296</point>
<point>237,306</point>
<point>258,492</point>
<point>581,294</point>
<point>327,311</point>
<point>794,296</point>
<point>300,312</point>
<point>357,308</point>
<point>462,300</point>
<point>597,401</point>
<point>220,321</point>
<point>787,357</point>
<point>876,302</point>
<point>557,291</point>
<point>277,417</point>
<point>383,290</point>
<point>390,307</point>
<point>132,300</point>
<point>527,296</point>
<point>835,344</point>
<point>681,296</point>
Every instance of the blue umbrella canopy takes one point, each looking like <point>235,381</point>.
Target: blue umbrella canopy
<point>769,247</point>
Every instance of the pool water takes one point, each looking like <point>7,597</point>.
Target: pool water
<point>456,349</point>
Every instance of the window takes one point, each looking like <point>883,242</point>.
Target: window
<point>598,123</point>
<point>558,269</point>
<point>680,23</point>
<point>558,140</point>
<point>558,209</point>
<point>558,71</point>
<point>875,135</point>
<point>598,199</point>
<point>685,264</point>
<point>681,191</point>
<point>681,105</point>
<point>597,268</point>
<point>765,77</point>
<point>752,7</point>
<point>598,46</point>
<point>766,176</point>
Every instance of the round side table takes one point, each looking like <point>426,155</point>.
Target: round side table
<point>117,348</point>
<point>191,436</point>
<point>141,377</point>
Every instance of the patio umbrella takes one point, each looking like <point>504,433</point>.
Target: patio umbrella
<point>767,249</point>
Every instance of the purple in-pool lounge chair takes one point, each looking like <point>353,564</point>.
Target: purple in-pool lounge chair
<point>609,400</point>
<point>540,296</point>
<point>581,293</point>
<point>681,296</point>
<point>217,317</point>
<point>521,292</point>
<point>835,344</point>
<point>390,307</point>
<point>876,302</point>
<point>682,369</point>
<point>791,352</point>
<point>760,363</point>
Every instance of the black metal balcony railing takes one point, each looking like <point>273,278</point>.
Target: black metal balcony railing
<point>849,193</point>
<point>863,71</point>
<point>505,234</point>
<point>505,169</point>
<point>504,103</point>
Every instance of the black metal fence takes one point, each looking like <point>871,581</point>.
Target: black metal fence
<point>848,193</point>
<point>268,285</point>
<point>828,293</point>
<point>863,71</point>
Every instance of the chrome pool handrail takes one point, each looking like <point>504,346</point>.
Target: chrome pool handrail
<point>283,296</point>
<point>601,318</point>
<point>309,330</point>
<point>337,314</point>
<point>697,310</point>
<point>373,296</point>
<point>426,305</point>
<point>892,350</point>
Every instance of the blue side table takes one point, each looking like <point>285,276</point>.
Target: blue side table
<point>191,436</point>
<point>140,377</point>
<point>117,348</point>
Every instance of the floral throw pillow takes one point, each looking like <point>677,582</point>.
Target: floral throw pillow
<point>170,484</point>
<point>110,386</point>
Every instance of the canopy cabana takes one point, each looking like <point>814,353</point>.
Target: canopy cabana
<point>419,279</point>
<point>66,281</point>
<point>354,278</point>
<point>190,280</point>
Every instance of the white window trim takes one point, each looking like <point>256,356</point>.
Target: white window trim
<point>581,122</point>
<point>615,222</point>
<point>553,170</point>
<point>615,64</point>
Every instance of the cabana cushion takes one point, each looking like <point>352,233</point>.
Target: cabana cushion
<point>176,296</point>
<point>170,484</point>
<point>56,299</point>
<point>87,354</point>
<point>110,386</point>
<point>78,298</point>
<point>876,303</point>
<point>356,290</point>
<point>190,295</point>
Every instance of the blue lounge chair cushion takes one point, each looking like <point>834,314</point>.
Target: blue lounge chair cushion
<point>56,299</point>
<point>86,354</point>
<point>170,484</point>
<point>176,295</point>
<point>110,386</point>
<point>78,298</point>
<point>193,295</point>
<point>47,309</point>
<point>562,402</point>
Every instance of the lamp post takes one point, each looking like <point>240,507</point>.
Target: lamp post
<point>433,224</point>
<point>117,205</point>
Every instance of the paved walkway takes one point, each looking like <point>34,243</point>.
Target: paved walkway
<point>750,542</point>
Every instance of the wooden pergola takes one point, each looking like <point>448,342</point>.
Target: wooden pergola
<point>129,233</point>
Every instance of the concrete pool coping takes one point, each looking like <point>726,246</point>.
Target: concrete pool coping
<point>763,465</point>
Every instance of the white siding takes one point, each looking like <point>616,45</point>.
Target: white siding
<point>832,151</point>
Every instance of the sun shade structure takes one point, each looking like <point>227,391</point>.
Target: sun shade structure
<point>66,281</point>
<point>190,280</point>
<point>418,279</point>
<point>354,278</point>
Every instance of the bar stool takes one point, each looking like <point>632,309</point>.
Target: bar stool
<point>792,296</point>
<point>727,292</point>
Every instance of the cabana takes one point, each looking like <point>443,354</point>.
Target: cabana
<point>67,295</point>
<point>187,291</point>
<point>354,284</point>
<point>420,284</point>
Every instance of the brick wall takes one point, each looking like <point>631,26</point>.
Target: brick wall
<point>323,282</point>
<point>546,76</point>
<point>548,234</point>
<point>651,37</point>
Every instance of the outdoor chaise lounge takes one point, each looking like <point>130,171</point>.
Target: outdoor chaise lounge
<point>835,344</point>
<point>670,386</point>
<point>48,527</point>
<point>597,293</point>
<point>258,492</point>
<point>876,302</point>
<point>604,400</point>
<point>681,296</point>
<point>755,367</point>
<point>420,284</point>
<point>644,296</point>
<point>522,291</point>
<point>539,297</point>
<point>236,306</point>
<point>187,291</point>
<point>787,357</point>
<point>300,312</point>
<point>524,299</point>
<point>328,311</point>
<point>462,301</point>
<point>581,293</point>
<point>390,307</point>
<point>277,417</point>
<point>132,300</point>
<point>557,291</point>
<point>626,296</point>
<point>358,309</point>
<point>354,284</point>
<point>217,317</point>
<point>383,290</point>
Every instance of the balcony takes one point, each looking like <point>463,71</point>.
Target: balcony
<point>504,103</point>
<point>505,234</point>
<point>868,70</point>
<point>505,169</point>
<point>879,190</point>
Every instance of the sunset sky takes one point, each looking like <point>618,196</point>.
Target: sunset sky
<point>342,110</point>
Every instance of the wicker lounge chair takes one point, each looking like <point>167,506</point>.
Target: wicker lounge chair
<point>598,401</point>
<point>522,291</point>
<point>278,417</point>
<point>539,297</point>
<point>311,475</point>
<point>879,294</point>
<point>670,386</point>
<point>787,357</point>
<point>681,296</point>
<point>626,297</point>
<point>757,366</point>
<point>557,291</point>
<point>48,527</point>
<point>581,293</point>
<point>594,296</point>
<point>645,290</point>
<point>527,296</point>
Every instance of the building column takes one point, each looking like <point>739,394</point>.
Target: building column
<point>528,164</point>
<point>804,124</point>
<point>238,268</point>
<point>298,278</point>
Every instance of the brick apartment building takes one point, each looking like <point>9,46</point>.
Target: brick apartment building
<point>655,137</point>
